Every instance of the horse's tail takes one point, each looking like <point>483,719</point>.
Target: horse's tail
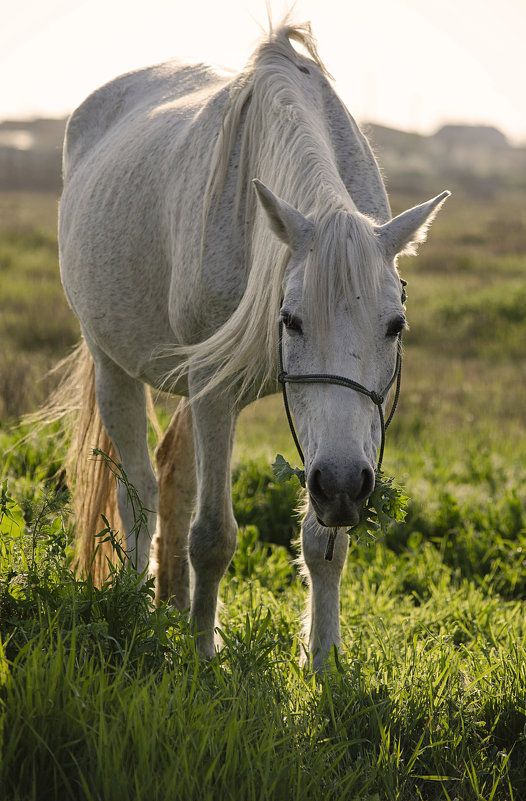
<point>93,487</point>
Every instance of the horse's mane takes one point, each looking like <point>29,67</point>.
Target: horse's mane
<point>286,143</point>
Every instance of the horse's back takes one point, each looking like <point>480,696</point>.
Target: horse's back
<point>122,103</point>
<point>133,157</point>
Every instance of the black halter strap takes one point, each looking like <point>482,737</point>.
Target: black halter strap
<point>326,378</point>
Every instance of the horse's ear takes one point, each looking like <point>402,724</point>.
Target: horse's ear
<point>286,222</point>
<point>404,233</point>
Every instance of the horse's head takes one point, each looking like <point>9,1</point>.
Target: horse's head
<point>342,315</point>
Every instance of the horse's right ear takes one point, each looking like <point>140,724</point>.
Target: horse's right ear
<point>286,222</point>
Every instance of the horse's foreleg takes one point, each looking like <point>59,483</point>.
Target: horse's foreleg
<point>177,486</point>
<point>323,612</point>
<point>122,404</point>
<point>213,533</point>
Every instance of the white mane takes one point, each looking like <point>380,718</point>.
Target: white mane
<point>279,104</point>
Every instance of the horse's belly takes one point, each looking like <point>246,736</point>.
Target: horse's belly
<point>133,335</point>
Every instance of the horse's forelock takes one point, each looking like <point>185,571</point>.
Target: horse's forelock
<point>345,263</point>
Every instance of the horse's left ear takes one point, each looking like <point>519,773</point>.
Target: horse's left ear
<point>403,234</point>
<point>286,222</point>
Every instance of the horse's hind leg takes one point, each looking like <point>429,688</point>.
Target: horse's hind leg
<point>122,404</point>
<point>323,612</point>
<point>177,486</point>
<point>213,533</point>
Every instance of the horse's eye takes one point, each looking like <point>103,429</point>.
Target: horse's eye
<point>396,326</point>
<point>290,321</point>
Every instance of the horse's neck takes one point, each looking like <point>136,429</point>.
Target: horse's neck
<point>356,162</point>
<point>322,157</point>
<point>339,169</point>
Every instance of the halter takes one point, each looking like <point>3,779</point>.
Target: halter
<point>285,378</point>
<point>378,399</point>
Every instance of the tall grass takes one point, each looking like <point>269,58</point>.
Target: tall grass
<point>103,696</point>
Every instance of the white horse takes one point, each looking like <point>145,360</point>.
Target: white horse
<point>178,264</point>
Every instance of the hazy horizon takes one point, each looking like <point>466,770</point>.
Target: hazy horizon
<point>414,66</point>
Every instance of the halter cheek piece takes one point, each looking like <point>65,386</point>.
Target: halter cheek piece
<point>378,399</point>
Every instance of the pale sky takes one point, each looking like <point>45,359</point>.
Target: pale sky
<point>411,64</point>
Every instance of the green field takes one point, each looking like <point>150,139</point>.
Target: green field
<point>101,696</point>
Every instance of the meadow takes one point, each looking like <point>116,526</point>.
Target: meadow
<point>102,695</point>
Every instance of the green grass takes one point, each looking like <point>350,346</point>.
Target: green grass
<point>103,696</point>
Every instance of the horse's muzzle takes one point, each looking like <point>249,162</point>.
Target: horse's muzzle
<point>337,498</point>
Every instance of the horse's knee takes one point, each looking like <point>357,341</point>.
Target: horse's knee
<point>212,545</point>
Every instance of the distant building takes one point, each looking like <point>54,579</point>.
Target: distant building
<point>476,157</point>
<point>480,136</point>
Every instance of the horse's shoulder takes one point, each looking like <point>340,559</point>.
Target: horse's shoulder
<point>127,99</point>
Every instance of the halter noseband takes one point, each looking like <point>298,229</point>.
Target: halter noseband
<point>285,378</point>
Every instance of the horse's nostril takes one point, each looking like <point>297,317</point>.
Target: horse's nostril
<point>367,485</point>
<point>316,486</point>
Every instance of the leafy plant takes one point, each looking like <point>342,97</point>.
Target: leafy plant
<point>284,472</point>
<point>386,504</point>
<point>40,589</point>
